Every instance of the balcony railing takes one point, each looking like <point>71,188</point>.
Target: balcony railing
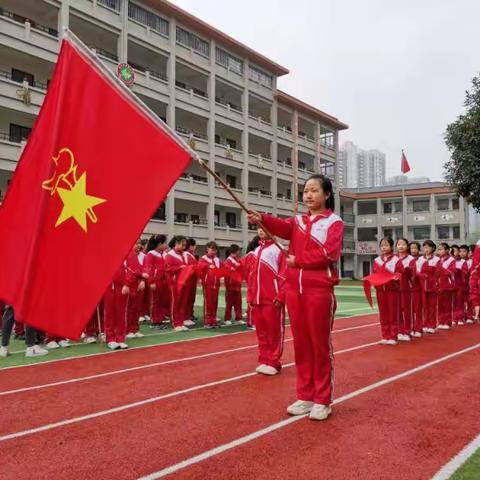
<point>112,4</point>
<point>104,53</point>
<point>349,245</point>
<point>189,88</point>
<point>348,217</point>
<point>265,156</point>
<point>152,73</point>
<point>226,103</point>
<point>11,138</point>
<point>260,191</point>
<point>8,76</point>
<point>190,132</point>
<point>33,24</point>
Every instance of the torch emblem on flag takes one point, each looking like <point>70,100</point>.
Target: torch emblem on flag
<point>71,190</point>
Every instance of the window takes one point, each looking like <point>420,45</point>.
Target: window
<point>260,77</point>
<point>327,137</point>
<point>150,19</point>
<point>443,204</point>
<point>160,213</point>
<point>232,143</point>
<point>190,40</point>
<point>113,4</point>
<point>421,206</point>
<point>195,219</point>
<point>367,234</point>
<point>421,233</point>
<point>229,61</point>
<point>456,233</point>
<point>216,218</point>
<point>443,233</point>
<point>231,218</point>
<point>232,181</point>
<point>181,217</point>
<point>19,133</point>
<point>19,76</point>
<point>455,204</point>
<point>367,208</point>
<point>393,233</point>
<point>392,207</point>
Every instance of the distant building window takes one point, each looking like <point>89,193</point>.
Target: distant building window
<point>421,205</point>
<point>19,76</point>
<point>393,233</point>
<point>150,19</point>
<point>367,208</point>
<point>456,233</point>
<point>260,77</point>
<point>190,40</point>
<point>231,219</point>
<point>421,233</point>
<point>367,234</point>
<point>229,61</point>
<point>443,232</point>
<point>19,133</point>
<point>327,137</point>
<point>113,4</point>
<point>392,207</point>
<point>455,204</point>
<point>443,204</point>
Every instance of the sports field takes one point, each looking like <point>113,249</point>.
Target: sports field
<point>189,406</point>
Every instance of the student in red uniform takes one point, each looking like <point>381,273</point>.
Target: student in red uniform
<point>315,248</point>
<point>160,296</point>
<point>388,296</point>
<point>233,287</point>
<point>468,303</point>
<point>145,306</point>
<point>175,260</point>
<point>211,284</point>
<point>474,290</point>
<point>191,288</point>
<point>248,262</point>
<point>426,268</point>
<point>115,305</point>
<point>446,286</point>
<point>417,296</point>
<point>406,290</point>
<point>461,286</point>
<point>266,304</point>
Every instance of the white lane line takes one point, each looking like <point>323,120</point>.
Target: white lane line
<point>155,345</point>
<point>458,460</point>
<point>276,426</point>
<point>147,401</point>
<point>156,364</point>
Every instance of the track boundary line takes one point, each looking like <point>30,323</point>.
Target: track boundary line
<point>276,426</point>
<point>156,364</point>
<point>158,345</point>
<point>458,460</point>
<point>151,400</point>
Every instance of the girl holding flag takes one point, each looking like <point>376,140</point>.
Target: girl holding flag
<point>233,286</point>
<point>211,284</point>
<point>315,248</point>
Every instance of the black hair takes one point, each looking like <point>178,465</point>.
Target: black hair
<point>176,240</point>
<point>211,245</point>
<point>389,240</point>
<point>253,244</point>
<point>233,248</point>
<point>415,243</point>
<point>454,246</point>
<point>429,243</point>
<point>143,242</point>
<point>472,248</point>
<point>445,246</point>
<point>155,240</point>
<point>464,247</point>
<point>191,242</point>
<point>406,241</point>
<point>327,187</point>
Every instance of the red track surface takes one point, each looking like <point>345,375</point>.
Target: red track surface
<point>397,431</point>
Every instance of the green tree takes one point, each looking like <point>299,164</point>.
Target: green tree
<point>462,137</point>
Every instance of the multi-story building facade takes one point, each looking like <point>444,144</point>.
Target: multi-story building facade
<point>219,94</point>
<point>425,211</point>
<point>403,179</point>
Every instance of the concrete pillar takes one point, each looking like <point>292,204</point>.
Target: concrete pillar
<point>274,155</point>
<point>379,226</point>
<point>211,144</point>
<point>318,155</point>
<point>63,19</point>
<point>122,45</point>
<point>245,146</point>
<point>433,209</point>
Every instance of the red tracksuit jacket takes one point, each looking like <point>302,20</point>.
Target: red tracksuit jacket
<point>154,265</point>
<point>461,274</point>
<point>235,264</point>
<point>207,264</point>
<point>408,273</point>
<point>124,276</point>
<point>317,246</point>
<point>173,263</point>
<point>446,274</point>
<point>391,264</point>
<point>427,272</point>
<point>474,284</point>
<point>268,274</point>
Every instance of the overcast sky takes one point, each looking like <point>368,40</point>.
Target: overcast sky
<point>395,71</point>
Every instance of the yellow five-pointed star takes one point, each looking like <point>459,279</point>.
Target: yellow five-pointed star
<point>77,204</point>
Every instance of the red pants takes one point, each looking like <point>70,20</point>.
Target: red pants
<point>178,308</point>
<point>91,330</point>
<point>417,320</point>
<point>270,326</point>
<point>134,308</point>
<point>161,302</point>
<point>115,314</point>
<point>191,296</point>
<point>459,310</point>
<point>389,310</point>
<point>233,300</point>
<point>445,307</point>
<point>311,317</point>
<point>430,310</point>
<point>210,305</point>
<point>145,308</point>
<point>406,316</point>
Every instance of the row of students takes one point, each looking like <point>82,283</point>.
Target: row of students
<point>430,290</point>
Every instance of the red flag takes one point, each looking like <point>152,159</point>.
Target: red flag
<point>405,165</point>
<point>185,275</point>
<point>377,280</point>
<point>95,168</point>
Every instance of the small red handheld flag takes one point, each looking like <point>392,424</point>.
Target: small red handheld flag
<point>377,280</point>
<point>405,165</point>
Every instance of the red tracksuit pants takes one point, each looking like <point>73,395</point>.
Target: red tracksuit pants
<point>389,311</point>
<point>270,328</point>
<point>430,310</point>
<point>417,320</point>
<point>459,305</point>
<point>445,307</point>
<point>134,308</point>
<point>115,314</point>
<point>311,317</point>
<point>161,302</point>
<point>178,307</point>
<point>233,300</point>
<point>406,316</point>
<point>191,296</point>
<point>210,305</point>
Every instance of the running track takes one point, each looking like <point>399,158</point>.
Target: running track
<point>195,410</point>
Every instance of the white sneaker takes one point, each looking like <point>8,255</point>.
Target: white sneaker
<point>64,343</point>
<point>461,323</point>
<point>228,322</point>
<point>242,322</point>
<point>383,341</point>
<point>430,330</point>
<point>320,412</point>
<point>131,335</point>
<point>52,345</point>
<point>454,324</point>
<point>260,367</point>
<point>4,353</point>
<point>181,329</point>
<point>189,323</point>
<point>139,335</point>
<point>417,334</point>
<point>141,319</point>
<point>425,330</point>
<point>391,342</point>
<point>147,318</point>
<point>443,327</point>
<point>403,338</point>
<point>123,345</point>
<point>35,351</point>
<point>89,340</point>
<point>113,345</point>
<point>469,321</point>
<point>267,370</point>
<point>83,335</point>
<point>300,407</point>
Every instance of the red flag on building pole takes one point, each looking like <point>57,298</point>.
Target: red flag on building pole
<point>97,165</point>
<point>405,165</point>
